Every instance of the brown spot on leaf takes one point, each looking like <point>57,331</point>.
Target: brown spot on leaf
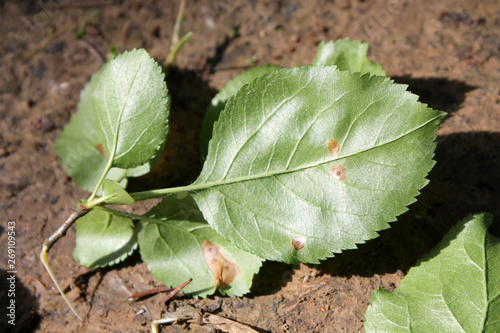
<point>100,149</point>
<point>298,243</point>
<point>225,271</point>
<point>338,171</point>
<point>334,148</point>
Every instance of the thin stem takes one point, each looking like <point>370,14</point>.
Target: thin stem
<point>45,262</point>
<point>178,25</point>
<point>151,194</point>
<point>104,173</point>
<point>47,244</point>
<point>138,296</point>
<point>177,42</point>
<point>173,54</point>
<point>176,291</point>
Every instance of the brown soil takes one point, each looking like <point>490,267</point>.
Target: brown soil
<point>447,51</point>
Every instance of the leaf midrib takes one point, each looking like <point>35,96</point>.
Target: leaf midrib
<point>117,129</point>
<point>207,185</point>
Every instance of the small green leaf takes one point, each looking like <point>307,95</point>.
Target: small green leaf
<point>115,194</point>
<point>130,106</point>
<point>104,239</point>
<point>172,239</point>
<point>347,55</point>
<point>219,101</point>
<point>81,151</point>
<point>455,288</point>
<point>309,160</point>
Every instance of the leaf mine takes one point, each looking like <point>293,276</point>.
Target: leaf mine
<point>333,147</point>
<point>225,271</point>
<point>338,171</point>
<point>298,243</point>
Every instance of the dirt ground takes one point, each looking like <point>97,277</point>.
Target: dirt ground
<point>447,51</point>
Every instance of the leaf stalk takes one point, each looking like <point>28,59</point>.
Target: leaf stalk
<point>177,42</point>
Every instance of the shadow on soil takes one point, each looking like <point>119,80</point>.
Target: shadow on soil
<point>464,181</point>
<point>438,93</point>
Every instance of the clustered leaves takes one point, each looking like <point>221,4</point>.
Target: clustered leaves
<point>271,184</point>
<point>299,163</point>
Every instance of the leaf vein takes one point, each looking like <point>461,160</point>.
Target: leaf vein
<point>358,116</point>
<point>266,119</point>
<point>206,185</point>
<point>309,127</point>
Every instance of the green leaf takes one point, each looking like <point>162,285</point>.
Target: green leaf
<point>104,239</point>
<point>77,145</point>
<point>347,55</point>
<point>81,151</point>
<point>115,194</point>
<point>270,184</point>
<point>219,101</point>
<point>172,240</point>
<point>130,106</point>
<point>455,288</point>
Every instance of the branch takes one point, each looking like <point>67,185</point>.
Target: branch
<point>81,211</point>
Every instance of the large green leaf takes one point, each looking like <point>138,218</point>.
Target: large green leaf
<point>173,239</point>
<point>347,55</point>
<point>104,239</point>
<point>80,149</point>
<point>130,106</point>
<point>219,101</point>
<point>455,288</point>
<point>270,184</point>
